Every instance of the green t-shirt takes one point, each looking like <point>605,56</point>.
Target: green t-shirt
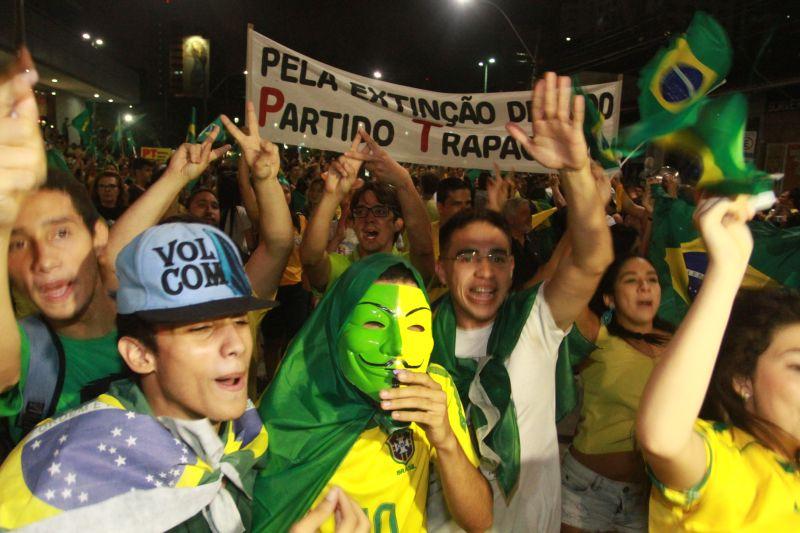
<point>86,361</point>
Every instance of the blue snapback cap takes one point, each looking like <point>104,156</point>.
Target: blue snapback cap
<point>183,273</point>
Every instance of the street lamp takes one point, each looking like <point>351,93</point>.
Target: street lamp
<point>377,74</point>
<point>531,56</point>
<point>127,117</point>
<point>485,65</point>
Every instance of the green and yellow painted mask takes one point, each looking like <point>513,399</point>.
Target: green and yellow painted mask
<point>389,328</point>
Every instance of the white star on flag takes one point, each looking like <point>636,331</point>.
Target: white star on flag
<point>70,478</point>
<point>82,497</point>
<point>158,483</point>
<point>66,493</point>
<point>62,439</point>
<point>149,478</point>
<point>36,444</point>
<point>55,453</point>
<point>112,450</point>
<point>50,494</point>
<point>116,432</point>
<point>120,460</point>
<point>101,447</point>
<point>130,415</point>
<point>131,441</point>
<point>184,459</point>
<point>177,442</point>
<point>162,475</point>
<point>55,468</point>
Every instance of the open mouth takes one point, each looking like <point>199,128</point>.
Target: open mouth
<point>482,293</point>
<point>231,382</point>
<point>55,290</point>
<point>389,365</point>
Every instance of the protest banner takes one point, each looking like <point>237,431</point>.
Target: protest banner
<point>304,102</point>
<point>155,153</point>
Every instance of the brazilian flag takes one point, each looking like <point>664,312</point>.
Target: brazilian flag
<point>191,131</point>
<point>221,135</point>
<point>599,148</point>
<point>84,123</point>
<point>679,256</point>
<point>55,159</point>
<point>118,136</point>
<point>715,147</point>
<point>677,78</point>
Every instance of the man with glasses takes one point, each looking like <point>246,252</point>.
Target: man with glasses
<point>380,210</point>
<point>502,349</point>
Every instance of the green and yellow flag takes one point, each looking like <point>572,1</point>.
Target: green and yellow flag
<point>715,145</point>
<point>600,148</point>
<point>679,256</point>
<point>84,123</point>
<point>222,135</point>
<point>191,131</point>
<point>677,78</point>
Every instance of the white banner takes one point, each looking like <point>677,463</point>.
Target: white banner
<point>304,102</point>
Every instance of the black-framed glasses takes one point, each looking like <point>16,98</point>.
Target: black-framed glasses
<point>470,257</point>
<point>378,211</point>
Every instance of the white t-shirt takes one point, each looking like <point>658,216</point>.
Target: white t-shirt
<point>236,225</point>
<point>536,504</point>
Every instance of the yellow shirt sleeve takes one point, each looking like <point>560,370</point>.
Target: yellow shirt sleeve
<point>455,413</point>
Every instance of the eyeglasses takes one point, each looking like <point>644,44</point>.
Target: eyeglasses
<point>378,211</point>
<point>470,257</point>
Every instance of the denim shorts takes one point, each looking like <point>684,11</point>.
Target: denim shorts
<point>593,502</point>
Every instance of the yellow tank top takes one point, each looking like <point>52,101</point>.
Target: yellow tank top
<point>613,381</point>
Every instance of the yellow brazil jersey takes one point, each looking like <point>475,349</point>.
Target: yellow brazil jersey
<point>388,476</point>
<point>747,487</point>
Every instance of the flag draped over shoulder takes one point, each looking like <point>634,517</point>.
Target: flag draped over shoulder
<point>679,256</point>
<point>495,423</point>
<point>312,413</point>
<point>677,78</point>
<point>110,465</point>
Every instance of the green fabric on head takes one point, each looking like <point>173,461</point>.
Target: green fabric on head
<point>501,440</point>
<point>312,413</point>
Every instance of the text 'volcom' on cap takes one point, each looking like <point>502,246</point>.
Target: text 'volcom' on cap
<point>183,273</point>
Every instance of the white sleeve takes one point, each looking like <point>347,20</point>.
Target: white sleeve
<point>541,329</point>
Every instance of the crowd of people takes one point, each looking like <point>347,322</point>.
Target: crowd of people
<point>256,338</point>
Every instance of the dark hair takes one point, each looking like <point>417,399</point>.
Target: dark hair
<point>430,183</point>
<point>606,288</point>
<point>132,326</point>
<point>794,194</point>
<point>623,238</point>
<point>469,216</point>
<point>755,318</point>
<point>385,194</point>
<point>447,186</point>
<point>398,273</point>
<point>140,163</point>
<point>122,197</point>
<point>197,191</point>
<point>58,180</point>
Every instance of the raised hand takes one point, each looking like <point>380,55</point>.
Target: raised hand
<point>499,189</point>
<point>558,140</point>
<point>261,155</point>
<point>342,174</point>
<point>379,163</point>
<point>349,516</point>
<point>190,160</point>
<point>23,166</point>
<point>422,401</point>
<point>723,224</point>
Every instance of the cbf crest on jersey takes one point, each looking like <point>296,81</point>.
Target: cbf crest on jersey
<point>401,445</point>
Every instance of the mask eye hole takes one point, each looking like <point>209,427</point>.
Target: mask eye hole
<point>373,324</point>
<point>416,327</point>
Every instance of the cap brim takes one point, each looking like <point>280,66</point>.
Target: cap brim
<point>205,311</point>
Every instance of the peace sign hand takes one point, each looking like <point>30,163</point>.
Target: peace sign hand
<point>190,160</point>
<point>342,175</point>
<point>558,140</point>
<point>262,156</point>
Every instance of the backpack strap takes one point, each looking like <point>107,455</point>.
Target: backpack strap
<point>45,373</point>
